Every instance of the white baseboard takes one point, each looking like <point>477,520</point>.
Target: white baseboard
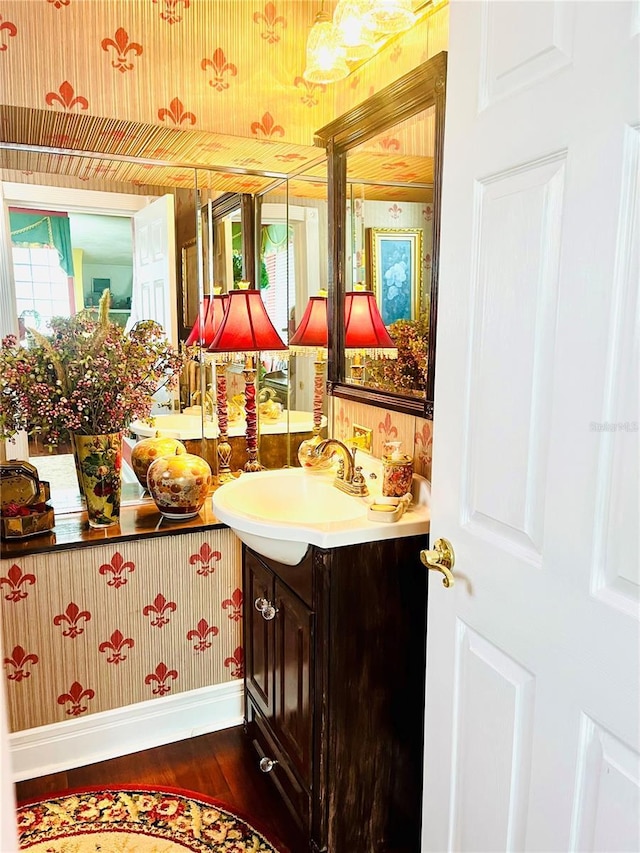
<point>109,734</point>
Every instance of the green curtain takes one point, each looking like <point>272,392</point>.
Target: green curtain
<point>40,228</point>
<point>275,236</point>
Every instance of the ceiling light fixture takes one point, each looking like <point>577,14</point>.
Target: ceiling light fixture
<point>325,54</point>
<point>390,16</point>
<point>352,26</point>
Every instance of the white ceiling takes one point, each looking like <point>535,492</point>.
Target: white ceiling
<point>103,239</point>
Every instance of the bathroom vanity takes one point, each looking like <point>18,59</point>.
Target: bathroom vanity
<point>334,675</point>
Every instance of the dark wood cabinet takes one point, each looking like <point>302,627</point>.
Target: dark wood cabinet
<point>335,652</point>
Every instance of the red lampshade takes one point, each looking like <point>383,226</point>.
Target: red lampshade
<point>194,335</point>
<point>312,329</point>
<point>217,307</point>
<point>246,326</point>
<point>364,328</point>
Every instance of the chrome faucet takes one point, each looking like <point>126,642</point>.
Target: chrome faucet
<point>349,478</point>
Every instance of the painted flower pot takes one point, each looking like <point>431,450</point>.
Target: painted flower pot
<point>99,460</point>
<point>148,450</point>
<point>179,484</point>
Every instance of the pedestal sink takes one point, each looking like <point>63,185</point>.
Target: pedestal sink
<point>280,513</point>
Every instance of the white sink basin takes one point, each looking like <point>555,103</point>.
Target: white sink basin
<point>280,513</point>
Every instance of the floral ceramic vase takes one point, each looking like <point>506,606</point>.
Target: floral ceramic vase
<point>148,450</point>
<point>179,484</point>
<point>99,460</point>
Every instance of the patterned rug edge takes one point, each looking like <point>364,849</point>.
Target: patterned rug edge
<point>186,793</point>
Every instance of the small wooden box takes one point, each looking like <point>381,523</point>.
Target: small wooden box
<point>20,486</point>
<point>28,525</point>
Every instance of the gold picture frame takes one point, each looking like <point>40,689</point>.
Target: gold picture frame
<point>395,271</point>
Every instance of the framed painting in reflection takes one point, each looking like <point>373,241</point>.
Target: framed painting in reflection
<point>190,284</point>
<point>394,271</point>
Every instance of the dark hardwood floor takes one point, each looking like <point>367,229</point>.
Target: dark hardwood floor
<point>220,765</point>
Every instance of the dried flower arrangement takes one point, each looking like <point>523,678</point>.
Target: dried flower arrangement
<point>87,377</point>
<point>407,373</point>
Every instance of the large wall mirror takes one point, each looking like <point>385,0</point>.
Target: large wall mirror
<point>291,228</point>
<point>272,240</point>
<point>273,235</point>
<point>385,170</point>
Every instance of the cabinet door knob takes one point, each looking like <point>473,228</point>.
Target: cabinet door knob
<point>267,764</point>
<point>260,604</point>
<point>269,611</point>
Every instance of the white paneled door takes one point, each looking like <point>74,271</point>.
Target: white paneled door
<point>532,723</point>
<point>154,266</point>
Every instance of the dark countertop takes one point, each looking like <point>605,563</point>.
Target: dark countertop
<point>136,521</point>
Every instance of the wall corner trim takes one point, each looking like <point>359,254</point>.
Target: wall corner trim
<point>110,734</point>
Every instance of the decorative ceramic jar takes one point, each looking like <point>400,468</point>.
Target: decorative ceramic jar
<point>307,455</point>
<point>179,484</point>
<point>397,474</point>
<point>148,450</point>
<point>98,461</point>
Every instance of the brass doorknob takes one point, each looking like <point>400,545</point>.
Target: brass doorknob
<point>442,559</point>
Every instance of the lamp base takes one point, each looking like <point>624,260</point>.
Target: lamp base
<point>225,474</point>
<point>249,372</point>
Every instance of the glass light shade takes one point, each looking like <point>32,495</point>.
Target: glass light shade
<point>325,55</point>
<point>312,329</point>
<point>246,326</point>
<point>352,25</point>
<point>364,328</point>
<point>390,16</point>
<point>195,335</point>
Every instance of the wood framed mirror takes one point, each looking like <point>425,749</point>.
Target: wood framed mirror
<point>385,157</point>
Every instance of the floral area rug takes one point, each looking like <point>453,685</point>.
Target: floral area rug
<point>134,820</point>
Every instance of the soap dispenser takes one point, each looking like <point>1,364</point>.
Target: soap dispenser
<point>397,470</point>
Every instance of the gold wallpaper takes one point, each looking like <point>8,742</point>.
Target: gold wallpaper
<point>103,627</point>
<point>224,76</point>
<point>416,434</point>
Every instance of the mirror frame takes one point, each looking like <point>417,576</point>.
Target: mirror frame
<point>421,88</point>
<point>194,244</point>
<point>246,204</point>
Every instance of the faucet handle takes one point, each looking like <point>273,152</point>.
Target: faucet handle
<point>358,477</point>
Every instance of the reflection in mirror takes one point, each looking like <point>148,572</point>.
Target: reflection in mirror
<point>385,176</point>
<point>215,251</point>
<point>105,228</point>
<point>293,227</point>
<point>389,239</point>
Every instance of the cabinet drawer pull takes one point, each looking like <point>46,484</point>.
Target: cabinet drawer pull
<point>269,612</point>
<point>266,608</point>
<point>267,764</point>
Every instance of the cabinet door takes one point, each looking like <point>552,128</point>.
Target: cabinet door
<point>259,634</point>
<point>293,719</point>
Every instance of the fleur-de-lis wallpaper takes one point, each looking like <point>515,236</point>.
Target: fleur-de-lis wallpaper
<point>230,64</point>
<point>103,627</point>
